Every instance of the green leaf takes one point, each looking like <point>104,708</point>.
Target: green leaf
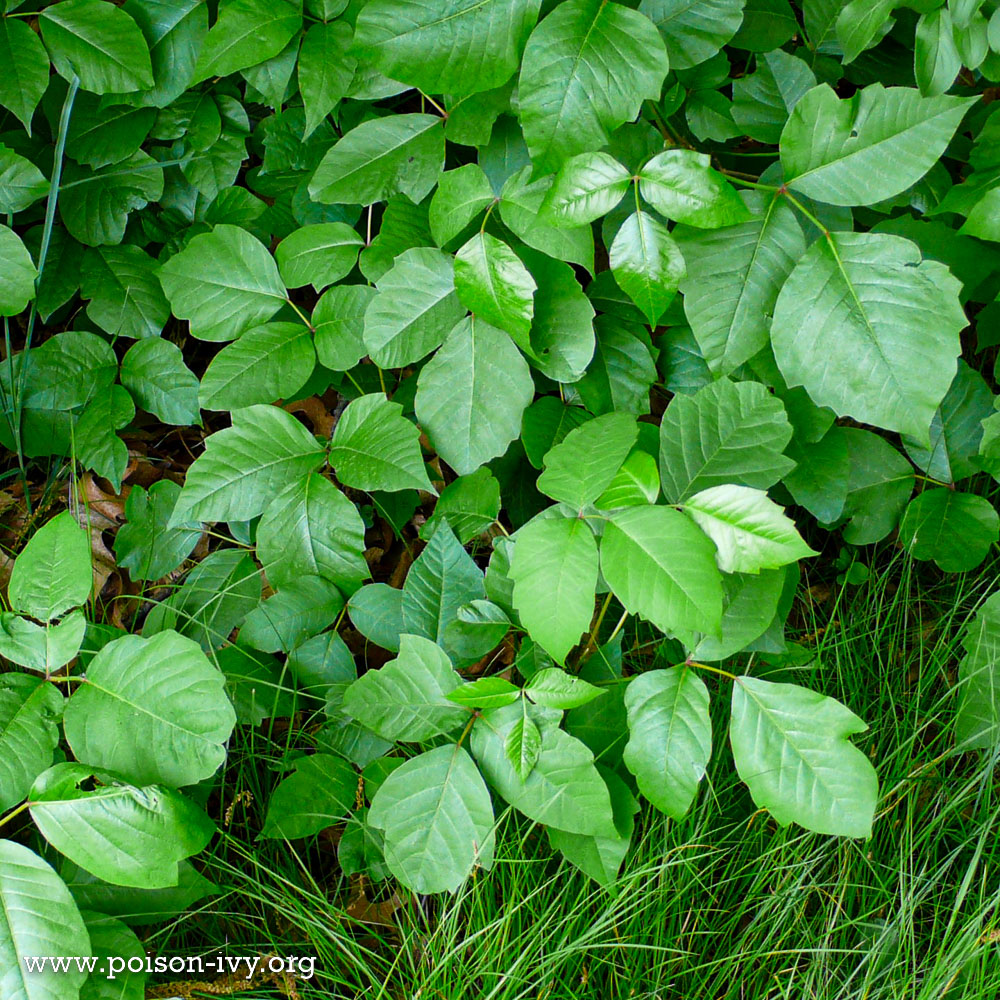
<point>268,362</point>
<point>247,32</point>
<point>523,744</point>
<point>562,330</point>
<point>471,395</point>
<point>586,187</point>
<point>750,531</point>
<point>441,580</point>
<point>165,703</point>
<point>956,530</point>
<point>880,483</point>
<point>600,858</point>
<point>155,375</point>
<point>374,447</point>
<point>52,573</point>
<point>859,23</point>
<point>218,593</point>
<point>377,613</point>
<point>977,720</point>
<point>681,185</point>
<point>437,818</point>
<point>461,195</point>
<point>845,323</point>
<point>486,692</point>
<point>406,699</point>
<point>546,423</point>
<point>29,733</point>
<point>245,465</point>
<point>318,794</point>
<point>763,101</point>
<point>126,298</point>
<point>339,323</point>
<point>750,603</point>
<point>554,569</point>
<point>223,282</point>
<point>123,834</point>
<point>790,746</point>
<point>563,790</point>
<point>298,611</point>
<point>587,68</point>
<point>725,433</point>
<point>95,204</point>
<point>400,154</point>
<point>99,136</point>
<point>98,43</point>
<point>414,309</point>
<point>21,182</point>
<point>636,483</point>
<point>325,70</point>
<point>110,938</point>
<point>27,76</point>
<point>37,916</point>
<point>647,264</point>
<point>318,255</point>
<point>581,467</point>
<point>554,688</point>
<point>661,566</point>
<point>312,528</point>
<point>521,202</point>
<point>956,430</point>
<point>734,276</point>
<point>622,370</point>
<point>17,274</point>
<point>41,647</point>
<point>670,736</point>
<point>457,47</point>
<point>694,30</point>
<point>469,505</point>
<point>868,147</point>
<point>936,60</point>
<point>144,545</point>
<point>493,284</point>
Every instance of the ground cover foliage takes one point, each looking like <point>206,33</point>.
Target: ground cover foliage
<point>421,413</point>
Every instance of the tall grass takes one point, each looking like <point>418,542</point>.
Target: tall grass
<point>721,905</point>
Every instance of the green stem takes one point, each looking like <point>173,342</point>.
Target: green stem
<point>792,200</point>
<point>302,316</point>
<point>713,670</point>
<point>15,812</point>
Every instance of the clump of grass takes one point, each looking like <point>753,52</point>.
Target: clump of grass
<point>723,904</point>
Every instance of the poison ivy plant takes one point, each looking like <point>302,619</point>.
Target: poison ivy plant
<point>415,352</point>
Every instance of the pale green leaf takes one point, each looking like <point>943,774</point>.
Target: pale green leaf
<point>318,255</point>
<point>374,447</point>
<point>461,195</point>
<point>154,372</point>
<point>554,569</point>
<point>126,298</point>
<point>166,705</point>
<point>30,708</point>
<point>977,721</point>
<point>52,574</point>
<point>869,147</point>
<point>586,187</point>
<point>662,566</point>
<point>27,69</point>
<point>471,395</point>
<point>223,283</point>
<point>694,30</point>
<point>406,699</point>
<point>670,736</point>
<point>587,68</point>
<point>848,319</point>
<point>244,466</point>
<point>681,185</point>
<point>247,32</point>
<point>495,286</point>
<point>379,158</point>
<point>437,818</point>
<point>17,274</point>
<point>790,746</point>
<point>647,264</point>
<point>750,531</point>
<point>312,528</point>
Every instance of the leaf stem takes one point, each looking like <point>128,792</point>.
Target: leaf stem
<point>15,812</point>
<point>619,626</point>
<point>434,104</point>
<point>805,211</point>
<point>713,670</point>
<point>301,314</point>
<point>592,638</point>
